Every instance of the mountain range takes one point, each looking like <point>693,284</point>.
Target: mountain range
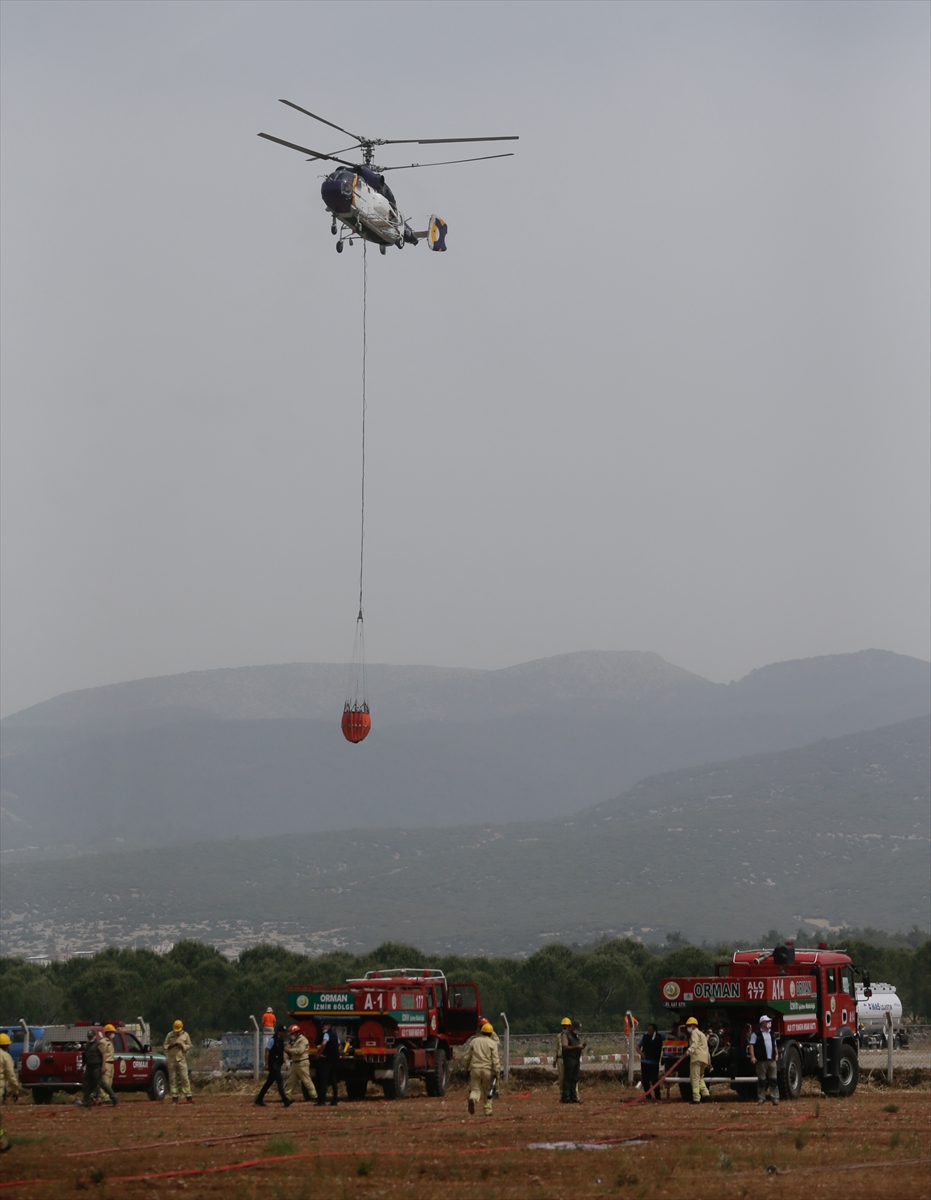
<point>254,752</point>
<point>827,835</point>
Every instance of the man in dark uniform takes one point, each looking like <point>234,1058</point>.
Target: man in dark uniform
<point>572,1048</point>
<point>275,1064</point>
<point>93,1065</point>
<point>651,1055</point>
<point>328,1066</point>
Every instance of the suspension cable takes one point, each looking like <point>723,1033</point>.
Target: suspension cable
<point>365,282</point>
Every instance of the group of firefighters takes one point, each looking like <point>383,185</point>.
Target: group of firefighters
<point>297,1051</point>
<point>480,1059</point>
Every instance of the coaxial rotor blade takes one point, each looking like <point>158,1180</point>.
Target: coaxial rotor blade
<point>448,162</point>
<point>508,137</point>
<point>305,150</point>
<point>308,113</point>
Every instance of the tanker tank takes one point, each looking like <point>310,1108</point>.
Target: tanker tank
<point>871,1010</point>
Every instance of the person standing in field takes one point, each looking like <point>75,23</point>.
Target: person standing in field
<point>106,1062</point>
<point>572,1047</point>
<point>268,1030</point>
<point>699,1060</point>
<point>9,1086</point>
<point>483,1064</point>
<point>328,1066</point>
<point>298,1052</point>
<point>651,1054</point>
<point>177,1047</point>
<point>764,1054</point>
<point>93,1063</point>
<point>560,1062</point>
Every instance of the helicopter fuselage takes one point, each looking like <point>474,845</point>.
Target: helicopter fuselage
<point>360,199</point>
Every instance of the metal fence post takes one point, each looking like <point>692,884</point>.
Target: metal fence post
<point>506,1065</point>
<point>255,1052</point>
<point>890,1038</point>
<point>631,1046</point>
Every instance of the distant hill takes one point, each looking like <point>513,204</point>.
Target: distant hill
<point>837,832</point>
<point>256,751</point>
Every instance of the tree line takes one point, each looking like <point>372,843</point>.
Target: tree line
<point>211,993</point>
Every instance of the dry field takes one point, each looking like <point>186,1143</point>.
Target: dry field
<point>879,1141</point>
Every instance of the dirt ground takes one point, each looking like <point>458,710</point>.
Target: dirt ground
<point>879,1140</point>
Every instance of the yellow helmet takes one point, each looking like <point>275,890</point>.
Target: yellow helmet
<point>4,1039</point>
<point>692,1021</point>
<point>178,1026</point>
<point>108,1028</point>
<point>566,1021</point>
<point>488,1027</point>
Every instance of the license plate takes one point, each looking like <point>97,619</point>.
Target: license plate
<point>50,1078</point>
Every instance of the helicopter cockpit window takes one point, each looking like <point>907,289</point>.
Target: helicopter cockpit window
<point>389,195</point>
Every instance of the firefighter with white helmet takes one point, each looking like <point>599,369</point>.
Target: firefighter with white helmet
<point>482,1062</point>
<point>177,1047</point>
<point>699,1060</point>
<point>9,1085</point>
<point>298,1052</point>
<point>764,1055</point>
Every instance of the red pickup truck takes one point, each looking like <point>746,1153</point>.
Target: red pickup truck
<point>56,1062</point>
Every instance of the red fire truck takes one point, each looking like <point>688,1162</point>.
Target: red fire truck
<point>808,994</point>
<point>391,1025</point>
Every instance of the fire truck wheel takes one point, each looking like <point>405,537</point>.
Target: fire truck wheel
<point>437,1080</point>
<point>848,1070</point>
<point>158,1089</point>
<point>356,1088</point>
<point>790,1074</point>
<point>396,1089</point>
<point>42,1095</point>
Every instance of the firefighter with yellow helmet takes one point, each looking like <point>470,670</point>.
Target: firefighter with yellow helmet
<point>565,1025</point>
<point>699,1060</point>
<point>106,1060</point>
<point>571,1046</point>
<point>177,1047</point>
<point>482,1062</point>
<point>9,1086</point>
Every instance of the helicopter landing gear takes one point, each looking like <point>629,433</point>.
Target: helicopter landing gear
<point>333,227</point>
<point>383,249</point>
<point>339,247</point>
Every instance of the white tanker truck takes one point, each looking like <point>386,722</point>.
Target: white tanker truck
<point>874,1002</point>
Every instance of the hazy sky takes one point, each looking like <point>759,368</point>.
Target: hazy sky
<point>668,389</point>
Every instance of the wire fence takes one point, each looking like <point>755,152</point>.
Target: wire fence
<point>911,1049</point>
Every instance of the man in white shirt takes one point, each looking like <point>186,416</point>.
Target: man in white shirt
<point>764,1054</point>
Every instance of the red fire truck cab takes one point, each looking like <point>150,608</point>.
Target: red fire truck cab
<point>391,1025</point>
<point>809,996</point>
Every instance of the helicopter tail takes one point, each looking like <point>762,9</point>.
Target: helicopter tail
<point>435,234</point>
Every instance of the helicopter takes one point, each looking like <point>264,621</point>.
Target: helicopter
<point>357,196</point>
